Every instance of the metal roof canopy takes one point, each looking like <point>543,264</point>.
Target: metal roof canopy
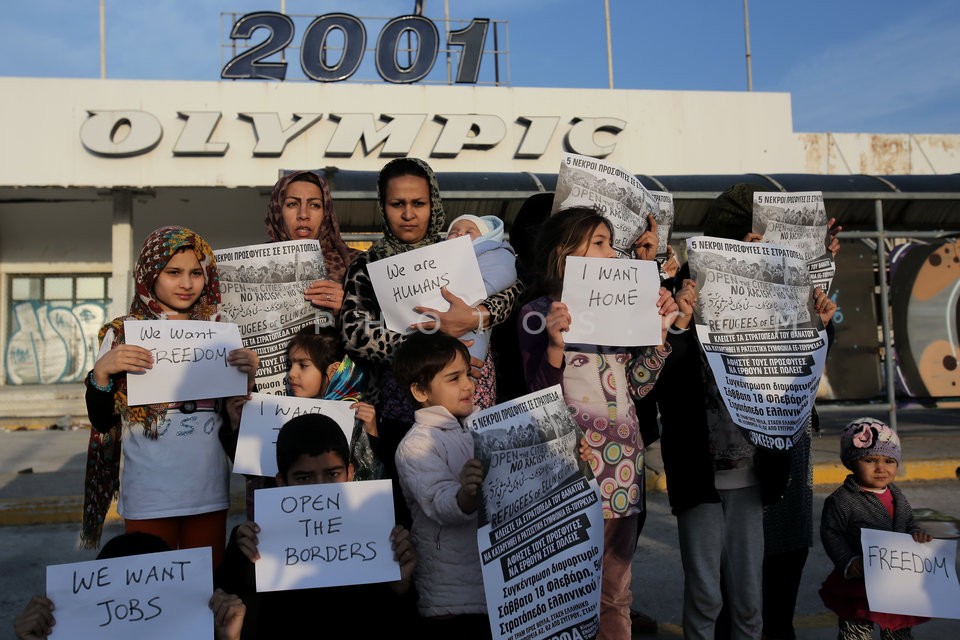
<point>909,202</point>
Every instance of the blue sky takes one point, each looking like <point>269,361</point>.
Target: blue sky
<point>874,66</point>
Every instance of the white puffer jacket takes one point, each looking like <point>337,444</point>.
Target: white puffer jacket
<point>429,460</point>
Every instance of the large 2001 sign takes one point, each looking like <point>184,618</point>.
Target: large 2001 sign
<point>314,53</point>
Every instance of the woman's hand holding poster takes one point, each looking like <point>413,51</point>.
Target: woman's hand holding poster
<point>540,522</point>
<point>763,340</point>
<point>414,279</point>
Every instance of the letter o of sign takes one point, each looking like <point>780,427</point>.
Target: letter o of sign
<point>425,53</point>
<point>120,134</point>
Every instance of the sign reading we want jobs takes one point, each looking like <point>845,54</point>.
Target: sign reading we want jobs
<point>154,596</point>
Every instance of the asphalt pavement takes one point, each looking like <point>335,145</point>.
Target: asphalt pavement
<point>41,488</point>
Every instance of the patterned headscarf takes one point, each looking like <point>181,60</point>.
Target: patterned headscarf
<point>867,437</point>
<point>103,452</point>
<point>336,254</point>
<point>389,244</point>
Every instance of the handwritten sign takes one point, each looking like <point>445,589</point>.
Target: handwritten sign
<point>910,578</point>
<point>261,420</point>
<point>189,361</point>
<point>325,535</point>
<point>414,278</point>
<point>612,301</point>
<point>155,596</point>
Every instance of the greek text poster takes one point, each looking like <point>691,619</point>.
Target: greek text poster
<point>262,287</point>
<point>154,596</point>
<point>612,191</point>
<point>797,220</point>
<point>763,340</point>
<point>664,219</point>
<point>540,521</point>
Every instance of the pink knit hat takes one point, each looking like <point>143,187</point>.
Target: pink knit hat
<point>865,437</point>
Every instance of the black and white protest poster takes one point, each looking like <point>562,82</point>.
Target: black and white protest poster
<point>797,220</point>
<point>540,523</point>
<point>325,535</point>
<point>663,216</point>
<point>414,279</point>
<point>189,361</point>
<point>612,301</point>
<point>762,337</point>
<point>609,189</point>
<point>153,596</point>
<point>262,288</point>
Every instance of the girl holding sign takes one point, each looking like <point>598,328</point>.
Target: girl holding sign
<point>868,499</point>
<point>175,480</point>
<point>599,384</point>
<point>301,209</point>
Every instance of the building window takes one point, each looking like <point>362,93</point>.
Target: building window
<point>54,321</point>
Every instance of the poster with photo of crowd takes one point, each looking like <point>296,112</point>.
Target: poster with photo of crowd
<point>614,192</point>
<point>262,287</point>
<point>664,219</point>
<point>797,220</point>
<point>761,335</point>
<point>540,523</point>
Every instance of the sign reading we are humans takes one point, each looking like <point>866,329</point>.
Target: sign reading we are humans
<point>325,535</point>
<point>155,596</point>
<point>414,279</point>
<point>612,301</point>
<point>189,361</point>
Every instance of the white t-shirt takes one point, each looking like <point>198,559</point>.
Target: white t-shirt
<point>183,472</point>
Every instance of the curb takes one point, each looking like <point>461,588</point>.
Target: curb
<point>16,512</point>
<point>834,473</point>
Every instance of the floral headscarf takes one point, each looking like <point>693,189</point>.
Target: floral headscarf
<point>103,452</point>
<point>390,245</point>
<point>336,254</point>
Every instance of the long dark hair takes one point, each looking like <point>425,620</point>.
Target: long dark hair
<point>561,235</point>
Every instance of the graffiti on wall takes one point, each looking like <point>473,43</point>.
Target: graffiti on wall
<point>924,296</point>
<point>50,344</point>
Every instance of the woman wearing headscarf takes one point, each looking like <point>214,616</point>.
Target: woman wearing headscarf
<point>301,208</point>
<point>411,211</point>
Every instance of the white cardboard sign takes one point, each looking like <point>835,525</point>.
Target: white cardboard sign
<point>263,416</point>
<point>189,361</point>
<point>414,278</point>
<point>612,301</point>
<point>910,578</point>
<point>325,535</point>
<point>155,596</point>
